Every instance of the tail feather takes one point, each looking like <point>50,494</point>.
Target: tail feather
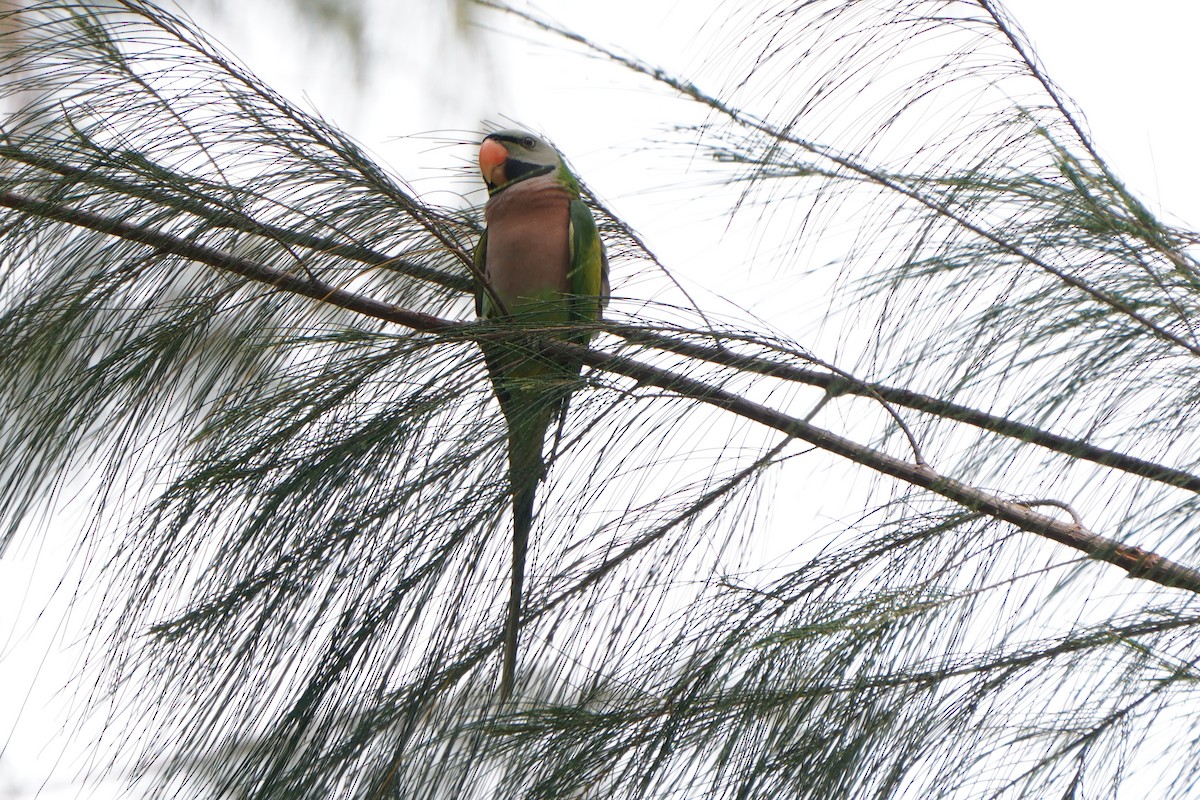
<point>523,499</point>
<point>525,471</point>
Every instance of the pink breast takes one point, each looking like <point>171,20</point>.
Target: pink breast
<point>527,250</point>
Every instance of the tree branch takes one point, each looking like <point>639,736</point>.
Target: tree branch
<point>205,208</point>
<point>221,217</point>
<point>1076,448</point>
<point>1137,562</point>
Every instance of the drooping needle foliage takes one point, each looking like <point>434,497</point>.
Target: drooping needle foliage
<point>251,349</point>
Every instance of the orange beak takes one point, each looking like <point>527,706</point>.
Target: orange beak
<point>492,156</point>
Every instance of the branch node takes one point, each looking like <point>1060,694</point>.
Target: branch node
<point>1076,519</point>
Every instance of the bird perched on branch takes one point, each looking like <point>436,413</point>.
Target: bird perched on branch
<point>540,265</point>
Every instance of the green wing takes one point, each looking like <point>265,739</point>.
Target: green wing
<point>479,257</point>
<point>588,277</point>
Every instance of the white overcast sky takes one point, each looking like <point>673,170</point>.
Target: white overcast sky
<point>1131,67</point>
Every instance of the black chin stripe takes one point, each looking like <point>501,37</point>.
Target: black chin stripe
<point>516,170</point>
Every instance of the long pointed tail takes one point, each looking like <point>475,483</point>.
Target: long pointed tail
<point>523,498</point>
<point>529,416</point>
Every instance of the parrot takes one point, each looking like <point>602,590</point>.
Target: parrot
<point>540,263</point>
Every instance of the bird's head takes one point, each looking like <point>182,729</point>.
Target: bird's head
<point>511,156</point>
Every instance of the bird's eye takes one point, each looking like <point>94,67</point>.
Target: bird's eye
<point>528,142</point>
